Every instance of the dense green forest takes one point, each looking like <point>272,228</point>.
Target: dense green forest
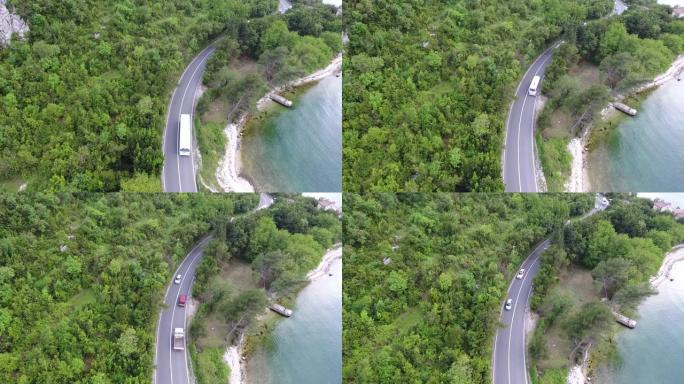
<point>85,95</point>
<point>279,245</point>
<point>82,277</point>
<point>427,85</point>
<point>285,46</point>
<point>256,56</point>
<point>620,249</point>
<point>424,276</point>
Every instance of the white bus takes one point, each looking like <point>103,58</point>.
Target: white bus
<point>185,136</point>
<point>534,85</point>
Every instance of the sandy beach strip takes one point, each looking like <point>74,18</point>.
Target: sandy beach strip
<point>674,256</point>
<point>330,255</point>
<point>576,178</point>
<point>675,69</point>
<point>578,181</point>
<point>233,357</point>
<point>229,167</point>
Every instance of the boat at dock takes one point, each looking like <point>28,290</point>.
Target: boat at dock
<point>624,320</point>
<point>281,100</point>
<point>279,309</point>
<point>625,108</point>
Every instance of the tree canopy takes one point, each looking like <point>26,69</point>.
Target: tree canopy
<point>425,275</point>
<point>83,98</point>
<point>427,85</point>
<point>82,279</point>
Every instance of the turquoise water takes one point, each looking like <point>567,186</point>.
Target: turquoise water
<point>645,153</point>
<point>652,352</point>
<point>307,347</point>
<point>299,149</point>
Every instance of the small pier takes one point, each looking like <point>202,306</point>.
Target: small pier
<point>281,100</point>
<point>279,309</point>
<point>624,320</point>
<point>625,108</point>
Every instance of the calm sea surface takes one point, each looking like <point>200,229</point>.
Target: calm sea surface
<point>653,351</point>
<point>307,347</point>
<point>299,149</point>
<point>645,153</point>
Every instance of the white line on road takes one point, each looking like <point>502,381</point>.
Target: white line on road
<point>192,121</point>
<point>527,306</point>
<point>166,294</point>
<point>180,111</point>
<point>173,314</point>
<point>522,112</point>
<point>510,109</point>
<point>510,328</point>
<point>534,122</point>
<point>496,335</point>
<point>173,95</point>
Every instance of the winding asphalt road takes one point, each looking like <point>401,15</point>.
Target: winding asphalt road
<point>509,365</point>
<point>178,174</point>
<point>518,158</point>
<point>171,366</point>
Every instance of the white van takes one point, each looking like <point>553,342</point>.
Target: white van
<point>534,85</point>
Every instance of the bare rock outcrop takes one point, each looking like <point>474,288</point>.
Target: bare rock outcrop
<point>10,23</point>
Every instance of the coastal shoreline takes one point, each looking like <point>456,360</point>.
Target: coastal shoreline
<point>675,69</point>
<point>229,170</point>
<point>578,181</point>
<point>577,373</point>
<point>229,167</point>
<point>234,356</point>
<point>323,267</point>
<point>675,255</point>
<point>334,67</point>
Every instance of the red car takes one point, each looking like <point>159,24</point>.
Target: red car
<point>181,300</point>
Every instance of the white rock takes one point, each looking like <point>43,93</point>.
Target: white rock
<point>576,376</point>
<point>10,23</point>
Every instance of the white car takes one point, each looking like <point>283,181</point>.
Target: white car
<point>509,304</point>
<point>520,274</point>
<point>177,280</point>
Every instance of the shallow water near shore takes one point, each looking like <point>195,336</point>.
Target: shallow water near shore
<point>652,352</point>
<point>307,347</point>
<point>644,153</point>
<point>298,149</point>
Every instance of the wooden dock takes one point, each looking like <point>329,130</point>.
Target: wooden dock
<point>281,100</point>
<point>624,320</point>
<point>625,108</point>
<point>279,309</point>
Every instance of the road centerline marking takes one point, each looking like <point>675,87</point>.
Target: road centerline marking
<point>180,109</point>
